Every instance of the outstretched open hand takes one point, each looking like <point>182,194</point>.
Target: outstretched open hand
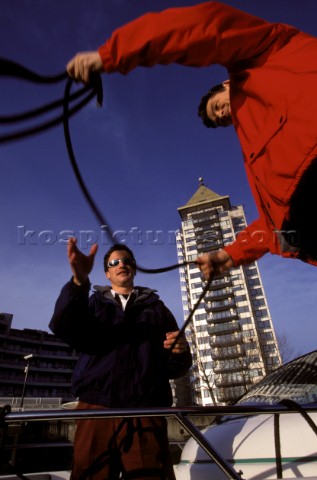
<point>80,264</point>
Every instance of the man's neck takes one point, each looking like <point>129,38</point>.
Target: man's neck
<point>122,290</point>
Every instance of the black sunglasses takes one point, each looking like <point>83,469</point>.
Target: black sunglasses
<point>125,261</point>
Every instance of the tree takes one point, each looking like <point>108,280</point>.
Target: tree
<point>287,351</point>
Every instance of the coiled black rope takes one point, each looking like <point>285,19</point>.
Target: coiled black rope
<point>101,219</point>
<point>94,88</point>
<point>9,68</point>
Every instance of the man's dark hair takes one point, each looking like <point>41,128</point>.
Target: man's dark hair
<point>202,113</point>
<point>114,248</point>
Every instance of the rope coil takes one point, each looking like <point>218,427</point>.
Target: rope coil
<point>82,96</point>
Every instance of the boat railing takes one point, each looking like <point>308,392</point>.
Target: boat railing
<point>182,415</point>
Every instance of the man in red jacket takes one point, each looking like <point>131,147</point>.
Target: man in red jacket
<point>270,101</point>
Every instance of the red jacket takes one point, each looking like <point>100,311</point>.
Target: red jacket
<point>273,76</point>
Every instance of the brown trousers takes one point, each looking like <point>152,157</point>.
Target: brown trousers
<point>136,448</point>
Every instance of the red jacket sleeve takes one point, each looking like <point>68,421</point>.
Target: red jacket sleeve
<point>199,35</point>
<point>251,243</point>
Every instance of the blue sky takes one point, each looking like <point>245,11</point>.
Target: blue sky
<point>141,155</point>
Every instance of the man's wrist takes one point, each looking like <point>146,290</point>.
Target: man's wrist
<point>80,282</point>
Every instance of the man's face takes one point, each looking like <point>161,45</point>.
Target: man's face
<point>121,275</point>
<point>218,107</point>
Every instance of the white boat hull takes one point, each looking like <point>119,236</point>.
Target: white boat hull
<point>249,445</point>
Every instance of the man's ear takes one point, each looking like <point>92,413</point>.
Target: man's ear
<point>226,83</point>
<point>107,274</point>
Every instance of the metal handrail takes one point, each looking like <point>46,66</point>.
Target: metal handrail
<point>73,414</point>
<point>180,414</point>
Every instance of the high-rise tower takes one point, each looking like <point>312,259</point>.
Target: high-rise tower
<point>231,335</point>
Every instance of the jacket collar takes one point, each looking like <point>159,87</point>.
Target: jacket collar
<point>144,293</point>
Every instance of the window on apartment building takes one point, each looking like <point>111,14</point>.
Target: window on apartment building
<point>240,298</point>
<point>259,302</point>
<point>266,335</point>
<point>254,281</point>
<point>195,275</point>
<point>274,360</point>
<point>269,348</point>
<point>243,309</point>
<point>256,291</point>
<point>264,324</point>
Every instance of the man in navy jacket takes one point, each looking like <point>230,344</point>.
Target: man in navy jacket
<point>124,335</point>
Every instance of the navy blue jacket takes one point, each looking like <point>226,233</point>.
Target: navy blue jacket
<point>122,361</point>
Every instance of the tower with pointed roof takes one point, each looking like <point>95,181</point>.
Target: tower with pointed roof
<point>231,335</point>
